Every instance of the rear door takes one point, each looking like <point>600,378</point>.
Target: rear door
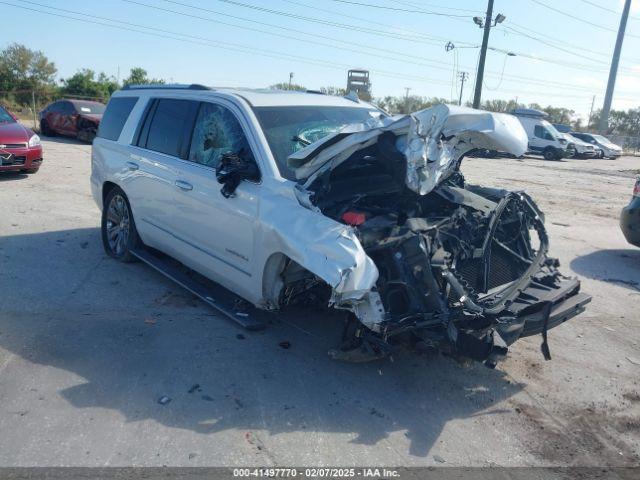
<point>156,158</point>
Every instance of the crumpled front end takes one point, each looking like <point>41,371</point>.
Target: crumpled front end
<point>438,137</point>
<point>461,268</point>
<point>432,141</point>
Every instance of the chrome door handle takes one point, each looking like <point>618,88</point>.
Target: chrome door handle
<point>131,165</point>
<point>182,185</point>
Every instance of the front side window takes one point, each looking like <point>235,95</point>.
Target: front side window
<point>543,132</point>
<point>216,132</point>
<point>538,131</point>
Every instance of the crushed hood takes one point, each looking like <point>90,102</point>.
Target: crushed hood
<point>432,141</point>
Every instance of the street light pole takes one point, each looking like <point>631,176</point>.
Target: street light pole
<point>604,117</point>
<point>483,55</point>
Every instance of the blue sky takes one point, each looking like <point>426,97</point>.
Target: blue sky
<point>232,44</point>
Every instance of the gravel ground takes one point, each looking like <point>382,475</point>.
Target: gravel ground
<point>88,346</point>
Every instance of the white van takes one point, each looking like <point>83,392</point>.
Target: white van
<point>544,139</point>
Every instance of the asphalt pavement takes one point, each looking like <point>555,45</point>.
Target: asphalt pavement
<point>110,364</point>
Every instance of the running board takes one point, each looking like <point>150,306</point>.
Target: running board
<point>213,294</point>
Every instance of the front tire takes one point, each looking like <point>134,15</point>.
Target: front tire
<point>549,154</point>
<point>119,234</point>
<point>600,154</point>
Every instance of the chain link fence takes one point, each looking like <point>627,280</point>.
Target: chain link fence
<point>630,144</point>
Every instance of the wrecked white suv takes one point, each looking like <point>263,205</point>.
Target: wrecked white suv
<point>289,198</point>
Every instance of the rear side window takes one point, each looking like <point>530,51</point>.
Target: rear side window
<point>115,117</point>
<point>170,120</point>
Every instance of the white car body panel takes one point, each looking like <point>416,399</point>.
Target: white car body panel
<point>241,242</point>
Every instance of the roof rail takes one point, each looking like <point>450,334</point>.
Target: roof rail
<point>163,86</point>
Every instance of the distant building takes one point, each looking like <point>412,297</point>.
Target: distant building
<point>358,82</point>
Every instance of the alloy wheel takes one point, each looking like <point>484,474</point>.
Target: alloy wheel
<point>118,225</point>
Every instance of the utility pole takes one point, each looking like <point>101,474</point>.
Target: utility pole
<point>593,100</point>
<point>604,117</point>
<point>33,106</point>
<point>487,25</point>
<point>290,79</point>
<point>406,99</point>
<point>463,77</point>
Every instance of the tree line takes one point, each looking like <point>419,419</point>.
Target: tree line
<point>26,74</point>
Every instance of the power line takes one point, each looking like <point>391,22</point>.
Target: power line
<point>588,2</point>
<point>574,17</point>
<point>349,27</point>
<point>436,65</point>
<point>397,9</point>
<point>167,34</point>
<point>250,49</point>
<point>431,63</point>
<point>372,22</point>
<point>549,38</point>
<point>420,60</point>
<point>344,26</point>
<point>412,4</point>
<point>545,42</point>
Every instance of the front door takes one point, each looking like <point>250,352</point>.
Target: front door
<point>541,139</point>
<point>219,231</point>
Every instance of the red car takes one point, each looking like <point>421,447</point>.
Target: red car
<point>74,118</point>
<point>20,147</point>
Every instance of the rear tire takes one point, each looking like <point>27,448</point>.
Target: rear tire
<point>119,234</point>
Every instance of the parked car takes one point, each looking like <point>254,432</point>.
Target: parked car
<point>603,146</point>
<point>630,217</point>
<point>20,148</point>
<point>73,118</point>
<point>544,139</point>
<point>291,198</point>
<point>581,148</point>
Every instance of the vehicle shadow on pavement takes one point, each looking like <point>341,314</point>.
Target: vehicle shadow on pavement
<point>619,266</point>
<point>62,139</point>
<point>126,337</point>
<point>8,176</point>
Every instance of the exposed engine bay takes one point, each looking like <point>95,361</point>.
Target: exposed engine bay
<point>462,269</point>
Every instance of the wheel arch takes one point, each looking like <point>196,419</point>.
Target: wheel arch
<point>106,189</point>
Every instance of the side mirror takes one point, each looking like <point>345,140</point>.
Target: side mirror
<point>233,168</point>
